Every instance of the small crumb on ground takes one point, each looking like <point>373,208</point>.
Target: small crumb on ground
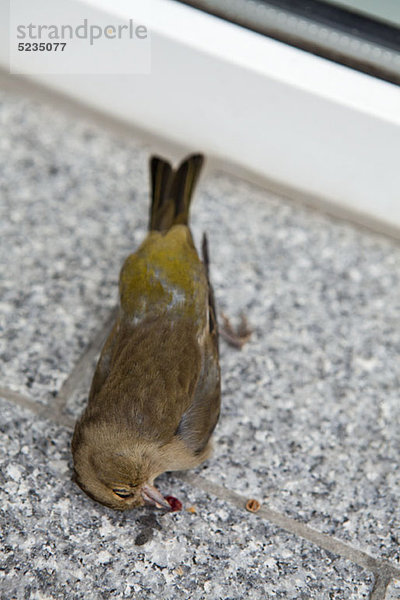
<point>253,505</point>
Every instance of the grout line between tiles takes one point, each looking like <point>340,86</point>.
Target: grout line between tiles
<point>54,411</point>
<point>380,587</point>
<point>21,400</point>
<point>382,569</point>
<point>42,411</point>
<point>85,361</point>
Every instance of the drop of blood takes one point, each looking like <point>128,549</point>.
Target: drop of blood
<point>174,503</point>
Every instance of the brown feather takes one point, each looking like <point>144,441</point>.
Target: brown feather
<point>155,394</point>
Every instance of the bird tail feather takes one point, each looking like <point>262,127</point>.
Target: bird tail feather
<point>172,191</point>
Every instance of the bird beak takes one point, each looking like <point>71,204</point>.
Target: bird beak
<point>151,495</point>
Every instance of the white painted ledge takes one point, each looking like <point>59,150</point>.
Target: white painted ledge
<point>297,120</point>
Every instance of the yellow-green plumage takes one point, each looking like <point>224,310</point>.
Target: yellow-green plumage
<point>165,274</point>
<point>155,395</point>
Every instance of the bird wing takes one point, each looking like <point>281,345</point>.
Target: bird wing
<point>103,366</point>
<point>199,420</point>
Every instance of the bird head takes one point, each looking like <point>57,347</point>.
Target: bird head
<point>113,469</point>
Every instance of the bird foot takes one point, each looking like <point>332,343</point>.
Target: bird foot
<point>239,337</point>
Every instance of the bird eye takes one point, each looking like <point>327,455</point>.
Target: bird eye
<point>123,493</point>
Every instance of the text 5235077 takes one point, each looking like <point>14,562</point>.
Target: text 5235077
<point>41,46</point>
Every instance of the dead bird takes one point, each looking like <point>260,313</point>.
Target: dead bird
<point>155,396</point>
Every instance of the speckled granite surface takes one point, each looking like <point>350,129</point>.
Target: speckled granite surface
<point>393,591</point>
<point>63,540</point>
<point>311,410</point>
<point>69,215</point>
<point>310,406</point>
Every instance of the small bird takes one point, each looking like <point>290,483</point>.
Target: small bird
<point>155,396</point>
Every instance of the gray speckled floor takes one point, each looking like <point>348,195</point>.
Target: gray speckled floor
<point>64,538</point>
<point>393,591</point>
<point>310,406</point>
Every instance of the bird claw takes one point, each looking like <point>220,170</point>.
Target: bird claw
<point>237,338</point>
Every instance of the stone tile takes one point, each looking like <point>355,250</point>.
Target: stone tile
<point>393,590</point>
<point>73,205</point>
<point>57,543</point>
<point>311,404</point>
